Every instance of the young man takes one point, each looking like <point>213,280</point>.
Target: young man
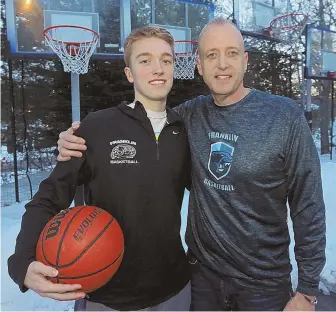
<point>252,152</point>
<point>133,174</point>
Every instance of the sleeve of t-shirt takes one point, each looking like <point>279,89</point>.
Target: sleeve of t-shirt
<point>55,194</point>
<point>305,198</point>
<point>184,109</point>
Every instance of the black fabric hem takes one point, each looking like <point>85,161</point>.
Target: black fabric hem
<point>139,305</point>
<point>21,267</point>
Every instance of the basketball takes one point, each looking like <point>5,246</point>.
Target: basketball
<point>85,244</point>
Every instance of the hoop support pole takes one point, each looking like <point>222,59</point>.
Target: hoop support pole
<point>75,97</point>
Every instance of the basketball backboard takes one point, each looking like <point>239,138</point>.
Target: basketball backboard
<point>320,52</point>
<point>113,20</point>
<point>253,17</point>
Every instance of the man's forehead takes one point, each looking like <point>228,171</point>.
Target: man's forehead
<point>148,53</point>
<point>145,46</point>
<point>231,39</point>
<point>149,41</point>
<point>226,46</point>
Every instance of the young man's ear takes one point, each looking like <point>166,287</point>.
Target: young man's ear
<point>128,74</point>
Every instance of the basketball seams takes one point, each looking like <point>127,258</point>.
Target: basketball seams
<point>87,247</point>
<point>44,256</point>
<point>93,273</point>
<point>62,238</point>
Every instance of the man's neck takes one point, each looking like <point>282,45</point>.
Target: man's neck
<point>155,106</point>
<point>225,100</point>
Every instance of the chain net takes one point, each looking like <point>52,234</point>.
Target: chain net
<point>185,59</point>
<point>75,56</point>
<point>288,27</point>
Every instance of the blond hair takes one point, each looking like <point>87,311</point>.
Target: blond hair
<point>145,32</point>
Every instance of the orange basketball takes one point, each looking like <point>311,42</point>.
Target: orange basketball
<point>85,244</point>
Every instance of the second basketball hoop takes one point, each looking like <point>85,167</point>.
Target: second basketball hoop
<point>185,59</point>
<point>288,27</point>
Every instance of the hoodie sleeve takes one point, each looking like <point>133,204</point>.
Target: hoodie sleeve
<point>306,204</point>
<point>55,194</point>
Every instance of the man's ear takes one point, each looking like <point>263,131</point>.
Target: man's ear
<point>128,74</point>
<point>245,61</point>
<point>199,66</point>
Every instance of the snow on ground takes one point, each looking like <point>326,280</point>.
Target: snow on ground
<point>13,300</point>
<point>11,297</point>
<point>328,276</point>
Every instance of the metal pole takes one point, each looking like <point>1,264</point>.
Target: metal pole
<point>332,118</point>
<point>186,14</point>
<point>235,13</point>
<point>308,113</point>
<point>75,105</point>
<point>25,145</point>
<point>303,82</point>
<point>11,94</point>
<point>75,98</point>
<point>153,12</point>
<point>290,77</point>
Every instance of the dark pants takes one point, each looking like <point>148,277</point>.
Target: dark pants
<point>210,292</point>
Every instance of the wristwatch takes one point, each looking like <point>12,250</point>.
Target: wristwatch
<point>311,301</point>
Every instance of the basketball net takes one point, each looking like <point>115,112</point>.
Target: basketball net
<point>75,56</point>
<point>185,59</point>
<point>288,27</point>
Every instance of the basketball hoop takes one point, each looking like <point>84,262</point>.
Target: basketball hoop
<point>74,55</point>
<point>185,59</point>
<point>332,75</point>
<point>287,27</point>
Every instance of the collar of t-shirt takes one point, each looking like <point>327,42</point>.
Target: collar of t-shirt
<point>157,119</point>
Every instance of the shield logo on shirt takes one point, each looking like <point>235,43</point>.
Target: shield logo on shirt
<point>220,159</point>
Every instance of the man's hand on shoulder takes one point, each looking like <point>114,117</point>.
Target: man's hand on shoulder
<point>37,280</point>
<point>300,302</point>
<point>70,145</point>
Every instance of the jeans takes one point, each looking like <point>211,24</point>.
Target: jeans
<point>211,292</point>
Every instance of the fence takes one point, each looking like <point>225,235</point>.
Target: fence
<point>29,174</point>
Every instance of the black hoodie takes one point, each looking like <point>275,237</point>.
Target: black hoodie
<point>141,183</point>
